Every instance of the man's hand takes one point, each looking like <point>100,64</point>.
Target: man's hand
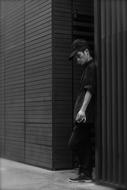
<point>81,116</point>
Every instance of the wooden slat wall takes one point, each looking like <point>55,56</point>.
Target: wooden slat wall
<point>38,83</point>
<point>97,44</point>
<point>110,18</point>
<point>1,83</point>
<point>13,62</point>
<point>26,81</point>
<point>62,83</point>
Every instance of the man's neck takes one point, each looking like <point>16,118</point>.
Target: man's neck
<point>89,58</point>
<point>87,63</point>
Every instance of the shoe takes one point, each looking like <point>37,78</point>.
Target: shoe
<point>81,178</point>
<point>77,179</point>
<point>88,180</point>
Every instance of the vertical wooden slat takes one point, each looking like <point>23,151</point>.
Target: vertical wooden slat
<point>124,54</point>
<point>120,89</point>
<point>108,94</point>
<point>97,34</point>
<point>104,101</point>
<point>2,102</point>
<point>114,94</point>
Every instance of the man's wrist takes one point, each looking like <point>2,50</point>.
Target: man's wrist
<point>83,110</point>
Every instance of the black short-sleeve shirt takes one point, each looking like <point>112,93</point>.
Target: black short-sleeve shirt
<point>87,83</point>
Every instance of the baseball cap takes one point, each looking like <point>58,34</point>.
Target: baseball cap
<point>78,45</point>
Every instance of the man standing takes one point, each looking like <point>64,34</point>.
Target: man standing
<point>84,110</point>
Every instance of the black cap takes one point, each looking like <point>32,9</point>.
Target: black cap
<point>78,45</point>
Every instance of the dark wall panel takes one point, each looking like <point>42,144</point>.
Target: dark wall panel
<point>12,46</point>
<point>26,81</point>
<point>38,83</point>
<point>62,83</point>
<point>2,37</point>
<point>110,20</point>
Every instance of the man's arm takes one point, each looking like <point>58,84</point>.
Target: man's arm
<point>81,116</point>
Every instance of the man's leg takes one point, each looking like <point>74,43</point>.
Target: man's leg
<point>85,151</point>
<point>80,144</point>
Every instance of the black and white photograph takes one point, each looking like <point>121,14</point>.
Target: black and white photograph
<point>63,94</point>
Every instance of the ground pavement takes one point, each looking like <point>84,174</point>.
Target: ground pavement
<point>18,176</point>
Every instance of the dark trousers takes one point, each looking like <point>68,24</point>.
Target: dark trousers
<point>80,144</point>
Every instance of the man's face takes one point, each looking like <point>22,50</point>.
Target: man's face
<point>81,57</point>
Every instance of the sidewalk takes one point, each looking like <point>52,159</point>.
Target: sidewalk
<point>18,176</point>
